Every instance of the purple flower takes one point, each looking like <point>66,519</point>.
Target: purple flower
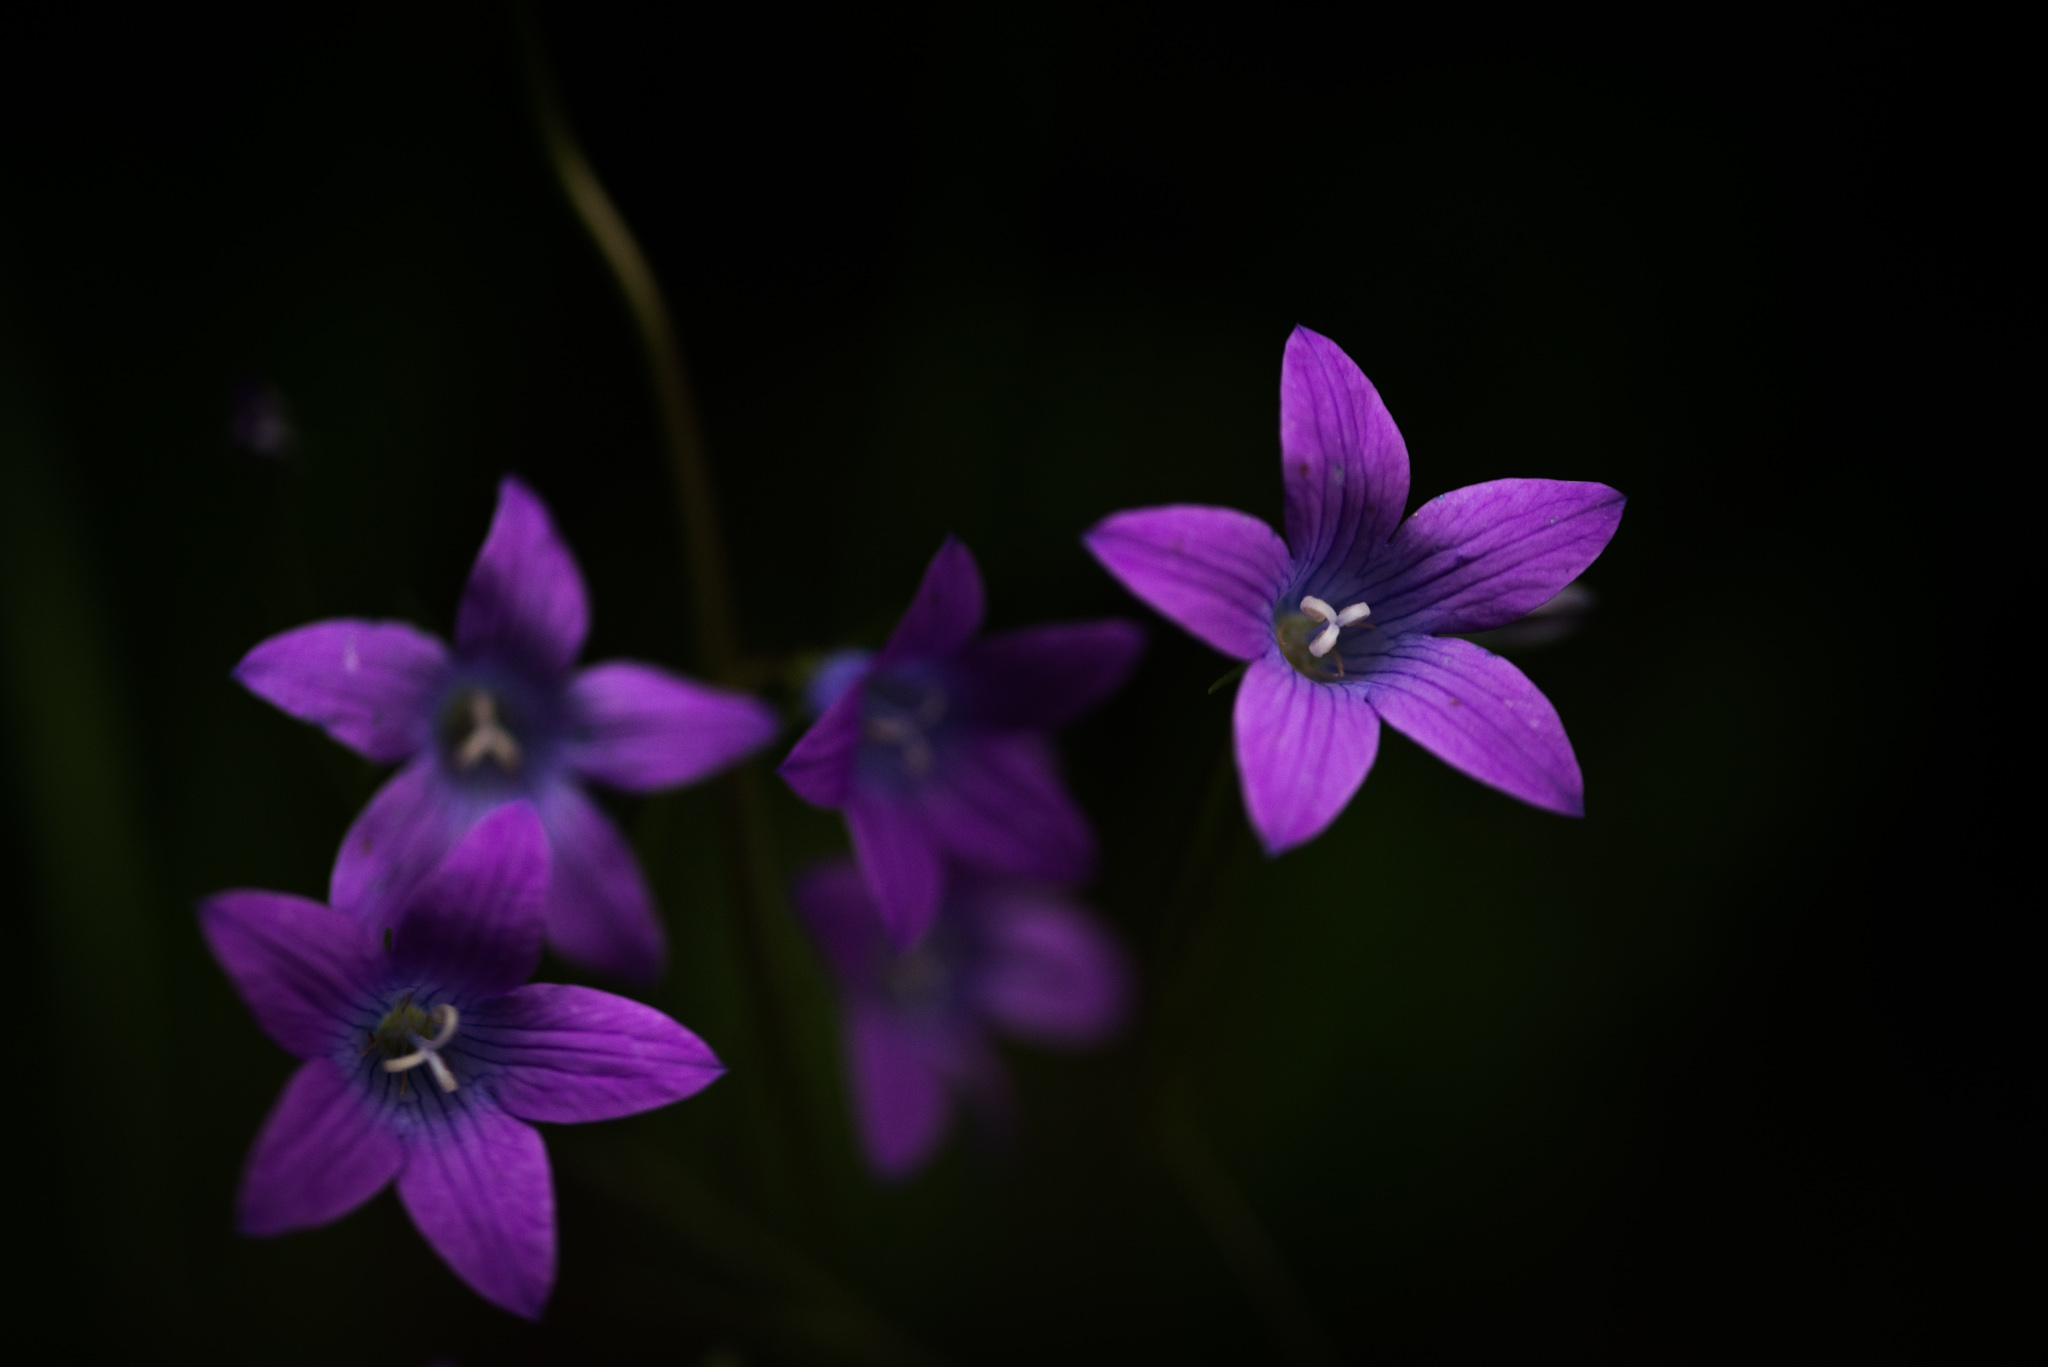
<point>1011,956</point>
<point>935,748</point>
<point>426,1058</point>
<point>503,716</point>
<point>1349,620</point>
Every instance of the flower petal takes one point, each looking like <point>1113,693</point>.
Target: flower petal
<point>397,841</point>
<point>599,912</point>
<point>1050,973</point>
<point>1342,461</point>
<point>1303,749</point>
<point>820,765</point>
<point>525,595</point>
<point>298,965</point>
<point>834,904</point>
<point>944,615</point>
<point>996,804</point>
<point>476,1183</point>
<point>900,861</point>
<point>1478,713</point>
<point>1216,572</point>
<point>323,1152</point>
<point>370,685</point>
<point>1482,556</point>
<point>1041,677</point>
<point>641,728</point>
<point>477,920</point>
<point>574,1054</point>
<point>899,1091</point>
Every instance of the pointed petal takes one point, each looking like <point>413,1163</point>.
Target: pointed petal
<point>600,912</point>
<point>1050,974</point>
<point>1342,461</point>
<point>477,920</point>
<point>1478,713</point>
<point>370,685</point>
<point>996,804</point>
<point>323,1152</point>
<point>575,1054</point>
<point>944,615</point>
<point>396,842</point>
<point>525,595</point>
<point>834,904</point>
<point>1482,556</point>
<point>1043,677</point>
<point>641,728</point>
<point>820,765</point>
<point>1303,749</point>
<point>1216,572</point>
<point>900,862</point>
<point>899,1093</point>
<point>478,1188</point>
<point>298,965</point>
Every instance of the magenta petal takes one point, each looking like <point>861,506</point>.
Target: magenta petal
<point>397,840</point>
<point>525,595</point>
<point>1216,572</point>
<point>944,615</point>
<point>599,913</point>
<point>299,966</point>
<point>820,765</point>
<point>1050,974</point>
<point>370,685</point>
<point>1476,712</point>
<point>477,920</point>
<point>996,804</point>
<point>575,1054</point>
<point>836,907</point>
<point>899,1089</point>
<point>476,1183</point>
<point>1038,678</point>
<point>1482,556</point>
<point>900,862</point>
<point>641,728</point>
<point>323,1152</point>
<point>1303,748</point>
<point>1342,461</point>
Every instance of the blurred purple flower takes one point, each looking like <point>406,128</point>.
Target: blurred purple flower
<point>935,748</point>
<point>1349,620</point>
<point>1003,955</point>
<point>427,1054</point>
<point>505,716</point>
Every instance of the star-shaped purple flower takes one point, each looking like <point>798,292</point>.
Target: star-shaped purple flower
<point>1003,955</point>
<point>935,748</point>
<point>427,1055</point>
<point>504,715</point>
<point>1349,620</point>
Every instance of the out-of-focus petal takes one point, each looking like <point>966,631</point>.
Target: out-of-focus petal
<point>599,912</point>
<point>996,804</point>
<point>525,596</point>
<point>476,1183</point>
<point>299,966</point>
<point>1042,677</point>
<point>640,728</point>
<point>835,905</point>
<point>397,840</point>
<point>575,1054</point>
<point>1303,748</point>
<point>370,685</point>
<point>1476,712</point>
<point>323,1152</point>
<point>1049,973</point>
<point>901,863</point>
<point>899,1091</point>
<point>1216,572</point>
<point>820,765</point>
<point>477,920</point>
<point>944,615</point>
<point>1482,556</point>
<point>1342,461</point>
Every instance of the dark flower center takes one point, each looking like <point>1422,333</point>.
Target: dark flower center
<point>410,1036</point>
<point>394,1034</point>
<point>900,714</point>
<point>919,977</point>
<point>477,728</point>
<point>1296,632</point>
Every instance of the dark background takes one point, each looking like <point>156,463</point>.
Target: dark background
<point>1735,1062</point>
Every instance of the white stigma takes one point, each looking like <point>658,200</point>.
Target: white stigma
<point>428,1051</point>
<point>487,739</point>
<point>1334,621</point>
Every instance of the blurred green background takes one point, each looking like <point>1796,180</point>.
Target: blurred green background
<point>1732,1059</point>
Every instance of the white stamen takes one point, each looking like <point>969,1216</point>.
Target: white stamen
<point>1335,621</point>
<point>428,1051</point>
<point>487,739</point>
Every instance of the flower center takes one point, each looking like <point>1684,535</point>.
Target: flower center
<point>902,717</point>
<point>917,977</point>
<point>401,1035</point>
<point>485,737</point>
<point>1308,638</point>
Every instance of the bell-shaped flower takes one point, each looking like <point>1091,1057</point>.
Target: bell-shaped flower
<point>428,1056</point>
<point>1353,618</point>
<point>935,748</point>
<point>505,715</point>
<point>1017,958</point>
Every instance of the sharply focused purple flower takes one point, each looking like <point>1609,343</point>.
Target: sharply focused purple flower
<point>1349,620</point>
<point>427,1054</point>
<point>935,748</point>
<point>505,715</point>
<point>1003,955</point>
